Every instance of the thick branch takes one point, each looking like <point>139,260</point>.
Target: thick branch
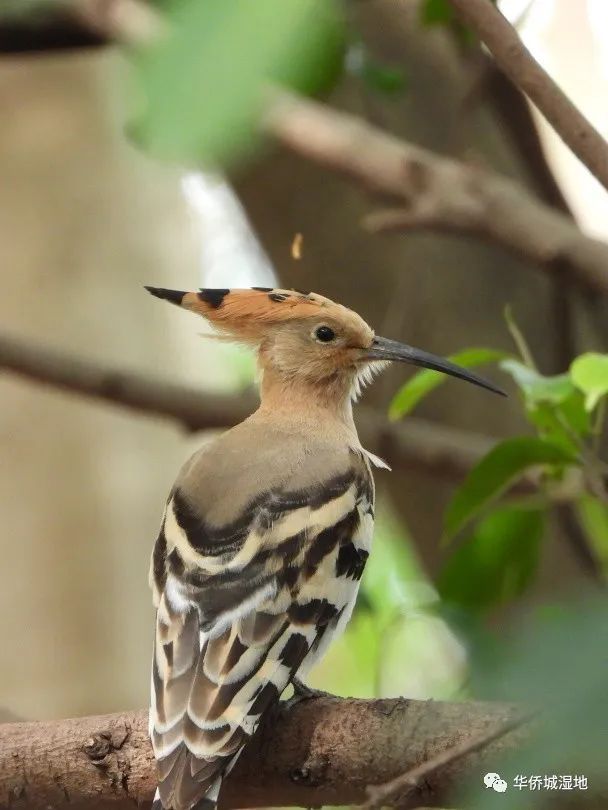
<point>325,751</point>
<point>188,406</point>
<point>441,451</point>
<point>69,24</point>
<point>521,67</point>
<point>435,192</point>
<point>406,783</point>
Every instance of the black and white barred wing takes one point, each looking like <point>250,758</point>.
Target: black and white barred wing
<point>239,611</point>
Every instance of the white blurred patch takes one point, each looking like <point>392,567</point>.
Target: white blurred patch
<point>532,19</point>
<point>421,657</point>
<point>230,253</point>
<point>598,19</point>
<point>569,40</point>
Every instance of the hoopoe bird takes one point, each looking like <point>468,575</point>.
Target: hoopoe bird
<point>265,533</point>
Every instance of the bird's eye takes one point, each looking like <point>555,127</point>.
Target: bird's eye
<point>325,334</point>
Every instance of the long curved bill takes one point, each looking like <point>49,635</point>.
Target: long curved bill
<point>385,349</point>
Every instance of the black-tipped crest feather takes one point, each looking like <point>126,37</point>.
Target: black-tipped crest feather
<point>174,296</point>
<point>213,297</point>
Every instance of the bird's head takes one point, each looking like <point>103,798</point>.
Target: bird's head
<point>305,338</point>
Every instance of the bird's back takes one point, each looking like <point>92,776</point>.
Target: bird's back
<point>256,567</point>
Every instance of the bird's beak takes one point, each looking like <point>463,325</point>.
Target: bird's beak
<point>385,349</point>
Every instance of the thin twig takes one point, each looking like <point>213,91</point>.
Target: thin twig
<point>521,344</point>
<point>405,783</point>
<point>512,56</point>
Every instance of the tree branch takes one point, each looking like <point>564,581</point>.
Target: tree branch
<point>69,24</point>
<point>189,407</point>
<point>514,59</point>
<point>324,751</point>
<point>512,110</point>
<point>403,785</point>
<point>54,30</point>
<point>438,450</point>
<point>435,192</point>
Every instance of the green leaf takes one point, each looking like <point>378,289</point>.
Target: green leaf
<point>536,387</point>
<point>565,423</point>
<point>440,12</point>
<point>436,12</point>
<point>422,383</point>
<point>593,515</point>
<point>386,79</point>
<point>553,404</point>
<point>380,76</point>
<point>589,372</point>
<point>204,82</point>
<point>496,563</point>
<point>496,472</point>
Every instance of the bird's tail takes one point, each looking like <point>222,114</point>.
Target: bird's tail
<point>156,802</point>
<point>207,802</point>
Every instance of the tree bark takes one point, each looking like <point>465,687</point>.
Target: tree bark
<point>324,751</point>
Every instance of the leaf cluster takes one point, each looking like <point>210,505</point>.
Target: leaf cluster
<point>497,517</point>
<point>495,529</point>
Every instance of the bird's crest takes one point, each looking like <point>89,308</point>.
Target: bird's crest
<point>246,313</point>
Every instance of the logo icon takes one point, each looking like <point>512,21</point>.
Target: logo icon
<point>493,780</point>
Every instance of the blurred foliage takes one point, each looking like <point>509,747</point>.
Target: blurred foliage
<point>385,79</point>
<point>203,84</point>
<point>410,394</point>
<point>396,643</point>
<point>441,13</point>
<point>497,471</point>
<point>436,12</point>
<point>497,562</point>
<point>205,80</point>
<point>557,661</point>
<point>555,665</point>
<point>31,9</point>
<point>241,363</point>
<point>560,462</point>
<point>590,374</point>
<point>593,515</point>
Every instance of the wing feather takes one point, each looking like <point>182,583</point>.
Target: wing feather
<point>236,624</point>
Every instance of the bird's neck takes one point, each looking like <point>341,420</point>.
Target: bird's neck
<point>294,398</point>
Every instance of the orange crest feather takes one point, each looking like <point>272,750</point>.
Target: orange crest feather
<point>246,313</point>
